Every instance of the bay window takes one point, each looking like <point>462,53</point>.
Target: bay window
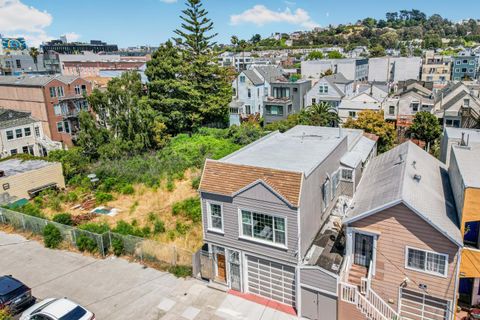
<point>427,261</point>
<point>263,227</point>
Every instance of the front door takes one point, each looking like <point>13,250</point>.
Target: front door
<point>234,261</point>
<point>221,267</point>
<point>465,291</point>
<point>363,251</point>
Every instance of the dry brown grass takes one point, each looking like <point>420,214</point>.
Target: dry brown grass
<point>158,201</point>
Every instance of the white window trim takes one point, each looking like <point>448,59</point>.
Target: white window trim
<point>426,271</point>
<point>209,217</point>
<point>353,174</point>
<point>252,238</point>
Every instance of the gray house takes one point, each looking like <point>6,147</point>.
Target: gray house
<point>331,89</point>
<point>285,98</point>
<point>271,210</point>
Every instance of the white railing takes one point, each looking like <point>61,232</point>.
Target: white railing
<point>348,293</point>
<point>345,269</point>
<point>381,305</point>
<point>367,300</point>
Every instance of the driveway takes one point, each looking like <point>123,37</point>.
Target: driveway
<point>117,289</point>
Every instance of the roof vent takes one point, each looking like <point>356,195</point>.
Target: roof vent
<point>417,177</point>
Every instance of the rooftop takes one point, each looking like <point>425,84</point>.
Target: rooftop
<point>467,160</point>
<point>34,81</point>
<point>300,149</point>
<point>12,167</point>
<point>12,118</point>
<point>407,174</point>
<point>473,135</point>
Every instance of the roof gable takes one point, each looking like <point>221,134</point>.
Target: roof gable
<point>260,190</point>
<point>407,174</point>
<point>230,179</point>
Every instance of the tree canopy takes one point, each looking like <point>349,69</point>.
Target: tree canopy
<point>426,127</point>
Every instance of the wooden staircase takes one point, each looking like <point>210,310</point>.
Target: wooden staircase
<point>356,274</point>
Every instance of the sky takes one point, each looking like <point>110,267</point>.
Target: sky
<point>151,22</point>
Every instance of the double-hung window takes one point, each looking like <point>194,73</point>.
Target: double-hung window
<point>263,227</point>
<point>18,133</point>
<point>10,135</point>
<point>27,131</point>
<point>215,217</point>
<point>347,175</point>
<point>427,261</point>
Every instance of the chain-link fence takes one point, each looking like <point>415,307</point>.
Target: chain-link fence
<point>105,244</point>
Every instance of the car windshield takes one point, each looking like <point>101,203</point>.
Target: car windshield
<point>75,314</point>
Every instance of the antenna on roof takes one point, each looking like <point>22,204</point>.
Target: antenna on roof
<point>417,177</point>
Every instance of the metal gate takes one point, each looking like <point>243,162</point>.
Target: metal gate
<point>235,278</point>
<point>419,306</point>
<point>271,280</point>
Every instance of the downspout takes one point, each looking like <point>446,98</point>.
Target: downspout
<point>457,284</point>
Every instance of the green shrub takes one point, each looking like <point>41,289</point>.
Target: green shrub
<point>63,218</point>
<point>196,182</point>
<point>170,184</point>
<point>158,227</point>
<point>52,236</point>
<point>117,246</point>
<point>31,210</point>
<point>85,243</point>
<point>72,196</point>
<point>126,228</point>
<point>54,203</point>
<point>152,217</point>
<point>181,228</point>
<point>5,315</point>
<point>189,208</point>
<point>98,228</point>
<point>171,235</point>
<point>127,189</point>
<point>103,197</point>
<point>146,231</point>
<point>181,271</point>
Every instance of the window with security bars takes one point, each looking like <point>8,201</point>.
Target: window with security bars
<point>427,261</point>
<point>216,220</point>
<point>263,227</point>
<point>347,175</point>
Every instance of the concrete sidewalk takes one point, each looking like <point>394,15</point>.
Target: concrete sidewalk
<point>116,289</point>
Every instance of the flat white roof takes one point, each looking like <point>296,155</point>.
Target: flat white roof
<point>301,149</point>
<point>15,166</point>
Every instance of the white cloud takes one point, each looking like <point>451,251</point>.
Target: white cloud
<point>18,19</point>
<point>72,36</point>
<point>261,15</point>
<point>169,1</point>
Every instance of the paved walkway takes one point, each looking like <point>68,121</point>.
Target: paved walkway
<point>116,289</point>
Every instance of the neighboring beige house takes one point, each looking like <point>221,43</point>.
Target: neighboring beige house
<point>21,133</point>
<point>436,68</point>
<point>25,179</point>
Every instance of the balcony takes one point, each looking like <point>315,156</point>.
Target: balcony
<point>72,97</point>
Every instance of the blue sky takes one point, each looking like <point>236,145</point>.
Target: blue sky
<point>139,22</point>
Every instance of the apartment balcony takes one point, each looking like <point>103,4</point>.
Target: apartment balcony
<point>72,97</point>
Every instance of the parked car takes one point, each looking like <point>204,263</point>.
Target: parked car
<point>14,295</point>
<point>57,309</point>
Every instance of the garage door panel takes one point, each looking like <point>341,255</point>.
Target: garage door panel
<point>271,280</point>
<point>420,306</point>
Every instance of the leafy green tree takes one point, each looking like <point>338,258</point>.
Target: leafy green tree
<point>426,127</point>
<point>377,51</point>
<point>389,39</point>
<point>125,112</point>
<point>335,55</point>
<point>34,53</point>
<point>256,38</point>
<point>91,135</point>
<point>208,78</point>
<point>374,122</point>
<point>315,55</point>
<point>321,114</point>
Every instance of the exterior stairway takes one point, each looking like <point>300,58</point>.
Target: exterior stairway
<point>358,292</point>
<point>356,274</point>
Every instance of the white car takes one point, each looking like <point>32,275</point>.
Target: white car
<point>57,309</point>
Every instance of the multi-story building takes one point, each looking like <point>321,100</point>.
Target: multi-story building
<point>20,133</point>
<point>394,69</point>
<point>456,136</point>
<point>465,181</point>
<point>350,107</point>
<point>285,98</point>
<point>331,89</point>
<point>351,69</point>
<point>250,88</point>
<point>63,47</point>
<point>266,214</point>
<point>465,67</point>
<point>90,65</point>
<point>56,101</point>
<point>458,105</point>
<point>436,68</point>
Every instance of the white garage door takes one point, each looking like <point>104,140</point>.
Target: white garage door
<point>271,280</point>
<point>419,306</point>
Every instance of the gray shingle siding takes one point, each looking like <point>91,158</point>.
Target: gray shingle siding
<point>312,214</point>
<point>245,200</point>
<point>318,279</point>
